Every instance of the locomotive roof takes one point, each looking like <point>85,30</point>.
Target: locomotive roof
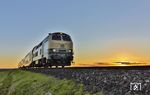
<point>59,33</point>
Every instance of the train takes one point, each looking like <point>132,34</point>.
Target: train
<point>55,50</point>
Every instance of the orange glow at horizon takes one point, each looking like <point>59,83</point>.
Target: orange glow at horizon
<point>118,57</point>
<point>9,62</point>
<point>125,57</point>
<point>86,60</point>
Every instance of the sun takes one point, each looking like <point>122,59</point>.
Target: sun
<point>125,57</point>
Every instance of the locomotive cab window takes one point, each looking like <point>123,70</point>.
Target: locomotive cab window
<point>66,37</point>
<point>56,37</point>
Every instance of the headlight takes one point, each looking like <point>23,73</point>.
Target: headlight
<point>54,50</point>
<point>70,50</point>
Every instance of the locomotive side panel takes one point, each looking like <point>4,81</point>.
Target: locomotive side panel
<point>37,53</point>
<point>45,48</point>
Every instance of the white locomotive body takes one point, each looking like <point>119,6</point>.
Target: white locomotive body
<point>55,50</point>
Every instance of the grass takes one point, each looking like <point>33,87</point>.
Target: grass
<point>18,82</point>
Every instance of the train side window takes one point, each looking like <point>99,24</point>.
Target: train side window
<point>36,53</point>
<point>40,51</point>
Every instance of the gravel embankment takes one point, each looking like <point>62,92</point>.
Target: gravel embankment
<point>109,81</point>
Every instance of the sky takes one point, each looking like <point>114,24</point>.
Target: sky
<point>102,30</point>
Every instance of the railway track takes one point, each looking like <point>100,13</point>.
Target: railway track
<point>98,67</point>
<point>114,67</point>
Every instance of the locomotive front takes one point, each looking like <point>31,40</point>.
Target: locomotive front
<point>60,50</point>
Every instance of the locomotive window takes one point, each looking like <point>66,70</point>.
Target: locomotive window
<point>56,37</point>
<point>66,37</point>
<point>40,51</point>
<point>36,53</point>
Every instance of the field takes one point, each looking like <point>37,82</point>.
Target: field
<point>18,82</point>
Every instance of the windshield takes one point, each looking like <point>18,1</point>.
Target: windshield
<point>56,37</point>
<point>66,37</point>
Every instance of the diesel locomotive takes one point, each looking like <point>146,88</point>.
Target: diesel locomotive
<point>55,50</point>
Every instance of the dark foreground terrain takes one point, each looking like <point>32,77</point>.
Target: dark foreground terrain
<point>107,81</point>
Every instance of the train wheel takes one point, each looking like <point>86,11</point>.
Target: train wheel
<point>45,66</point>
<point>62,66</point>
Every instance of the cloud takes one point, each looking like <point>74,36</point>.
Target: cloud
<point>106,64</point>
<point>97,64</point>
